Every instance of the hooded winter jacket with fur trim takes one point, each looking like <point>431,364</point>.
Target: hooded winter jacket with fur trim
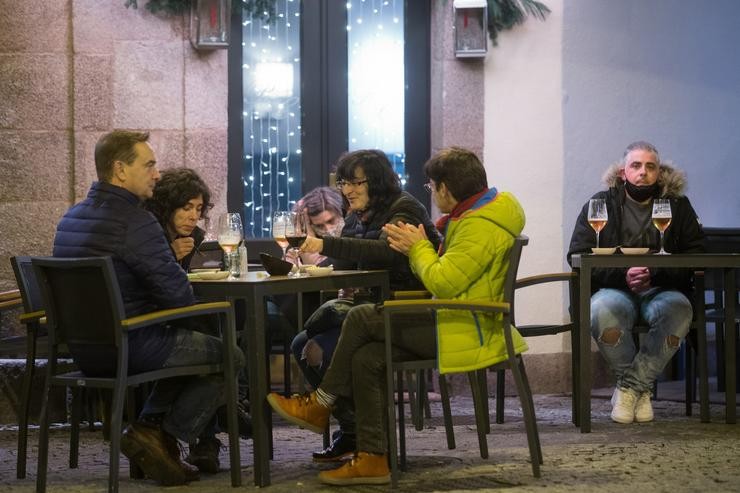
<point>684,235</point>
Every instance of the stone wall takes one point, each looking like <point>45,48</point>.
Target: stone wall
<point>71,70</point>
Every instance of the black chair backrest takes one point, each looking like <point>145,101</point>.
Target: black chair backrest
<point>25,277</point>
<point>515,255</point>
<point>722,240</point>
<point>82,299</point>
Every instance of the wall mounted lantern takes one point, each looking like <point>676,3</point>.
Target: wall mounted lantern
<point>210,21</point>
<point>471,28</point>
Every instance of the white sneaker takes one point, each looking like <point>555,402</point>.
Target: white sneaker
<point>623,405</point>
<point>644,409</point>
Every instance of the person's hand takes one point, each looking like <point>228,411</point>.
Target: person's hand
<point>312,258</point>
<point>401,236</point>
<point>638,279</point>
<point>312,245</point>
<point>182,246</point>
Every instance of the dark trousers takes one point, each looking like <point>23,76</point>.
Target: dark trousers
<point>358,369</point>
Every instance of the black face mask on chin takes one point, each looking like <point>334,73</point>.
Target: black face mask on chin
<point>641,193</point>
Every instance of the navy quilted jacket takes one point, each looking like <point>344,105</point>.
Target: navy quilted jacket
<point>111,223</point>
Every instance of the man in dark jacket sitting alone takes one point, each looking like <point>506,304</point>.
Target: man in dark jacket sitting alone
<point>622,297</point>
<point>110,222</point>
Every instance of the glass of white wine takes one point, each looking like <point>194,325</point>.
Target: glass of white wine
<point>597,216</point>
<point>229,234</point>
<point>662,219</point>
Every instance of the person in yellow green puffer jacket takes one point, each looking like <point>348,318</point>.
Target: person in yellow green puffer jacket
<point>471,264</point>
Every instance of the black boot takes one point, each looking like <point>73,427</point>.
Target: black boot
<point>342,447</point>
<point>204,455</point>
<point>242,415</point>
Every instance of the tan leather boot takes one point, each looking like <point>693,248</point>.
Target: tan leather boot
<point>364,468</point>
<point>302,410</point>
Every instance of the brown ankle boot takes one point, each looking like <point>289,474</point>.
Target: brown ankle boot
<point>365,468</point>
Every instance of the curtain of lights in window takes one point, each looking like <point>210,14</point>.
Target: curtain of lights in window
<point>271,165</point>
<point>376,82</point>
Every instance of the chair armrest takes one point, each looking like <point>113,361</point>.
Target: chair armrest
<point>410,295</point>
<point>37,316</point>
<point>10,299</point>
<point>175,313</point>
<point>543,278</point>
<point>10,295</point>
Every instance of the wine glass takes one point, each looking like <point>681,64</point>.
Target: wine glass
<point>230,234</point>
<point>280,220</point>
<point>597,216</point>
<point>295,234</point>
<point>662,219</point>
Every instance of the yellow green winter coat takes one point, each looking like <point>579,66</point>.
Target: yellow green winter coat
<point>472,267</point>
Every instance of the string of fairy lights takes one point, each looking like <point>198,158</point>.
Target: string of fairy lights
<point>271,66</point>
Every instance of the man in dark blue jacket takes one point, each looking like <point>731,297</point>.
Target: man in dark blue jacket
<point>111,222</point>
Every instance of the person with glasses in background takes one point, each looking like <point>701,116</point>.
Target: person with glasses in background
<point>372,196</point>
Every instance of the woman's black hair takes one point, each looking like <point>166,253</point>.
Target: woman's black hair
<point>175,189</point>
<point>382,182</point>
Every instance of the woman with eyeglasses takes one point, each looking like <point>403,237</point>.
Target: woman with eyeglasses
<point>181,198</point>
<point>372,196</point>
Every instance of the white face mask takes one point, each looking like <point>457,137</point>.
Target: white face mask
<point>336,230</point>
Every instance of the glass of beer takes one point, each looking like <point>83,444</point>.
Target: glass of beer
<point>230,234</point>
<point>662,219</point>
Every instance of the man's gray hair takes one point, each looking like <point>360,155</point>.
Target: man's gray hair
<point>643,146</point>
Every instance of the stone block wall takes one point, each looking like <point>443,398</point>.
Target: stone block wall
<point>71,70</point>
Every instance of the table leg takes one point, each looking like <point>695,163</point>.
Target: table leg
<point>730,297</point>
<point>584,374</point>
<point>257,368</point>
<point>702,365</point>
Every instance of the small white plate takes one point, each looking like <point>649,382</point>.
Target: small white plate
<point>634,251</point>
<point>604,251</point>
<point>213,276</point>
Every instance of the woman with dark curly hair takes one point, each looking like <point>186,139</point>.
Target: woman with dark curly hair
<point>181,199</point>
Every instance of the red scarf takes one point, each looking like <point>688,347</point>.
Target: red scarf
<point>457,211</point>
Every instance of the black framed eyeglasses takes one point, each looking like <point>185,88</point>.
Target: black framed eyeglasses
<point>428,187</point>
<point>354,184</point>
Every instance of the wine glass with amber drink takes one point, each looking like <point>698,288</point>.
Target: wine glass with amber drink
<point>662,219</point>
<point>597,216</point>
<point>230,234</point>
<point>280,220</point>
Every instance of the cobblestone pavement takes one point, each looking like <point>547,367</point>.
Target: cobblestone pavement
<point>675,453</point>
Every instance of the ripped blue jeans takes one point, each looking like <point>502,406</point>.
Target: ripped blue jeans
<point>666,312</point>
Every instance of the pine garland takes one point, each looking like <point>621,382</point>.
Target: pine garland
<point>264,9</point>
<point>502,14</point>
<point>505,14</point>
